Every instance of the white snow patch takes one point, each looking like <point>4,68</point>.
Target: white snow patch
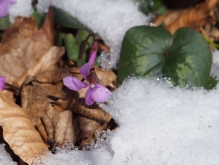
<point>215,64</point>
<point>109,18</point>
<point>5,158</point>
<point>20,8</point>
<point>158,125</point>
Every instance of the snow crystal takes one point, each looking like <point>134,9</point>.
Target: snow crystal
<point>158,124</point>
<point>21,8</point>
<point>109,18</point>
<point>5,158</point>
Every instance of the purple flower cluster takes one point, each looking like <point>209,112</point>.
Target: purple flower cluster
<point>95,92</point>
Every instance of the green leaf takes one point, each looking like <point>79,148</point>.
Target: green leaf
<point>82,35</point>
<point>71,47</point>
<point>61,38</point>
<point>211,83</point>
<point>156,6</point>
<point>74,45</point>
<point>80,62</point>
<point>65,20</point>
<point>4,23</point>
<point>80,39</point>
<point>142,52</point>
<point>189,59</point>
<point>38,17</point>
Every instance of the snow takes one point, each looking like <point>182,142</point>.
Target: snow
<point>5,157</point>
<point>158,125</point>
<point>21,8</point>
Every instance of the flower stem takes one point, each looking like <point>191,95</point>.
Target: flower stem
<point>84,45</point>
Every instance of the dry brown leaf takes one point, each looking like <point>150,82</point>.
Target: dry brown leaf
<point>64,131</point>
<point>193,17</point>
<point>88,129</point>
<point>103,47</point>
<point>19,132</point>
<point>23,45</point>
<point>42,130</point>
<point>53,122</point>
<point>47,60</point>
<point>168,18</point>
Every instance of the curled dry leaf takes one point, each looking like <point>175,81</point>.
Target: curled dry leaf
<point>92,113</point>
<point>19,132</point>
<point>47,60</point>
<point>52,122</point>
<point>193,17</point>
<point>78,107</point>
<point>24,46</point>
<point>88,130</point>
<point>64,131</point>
<point>103,47</point>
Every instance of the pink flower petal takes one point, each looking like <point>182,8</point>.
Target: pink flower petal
<point>2,82</point>
<point>4,8</point>
<point>88,99</point>
<point>85,69</point>
<point>73,83</point>
<point>100,93</point>
<point>9,1</point>
<point>4,5</point>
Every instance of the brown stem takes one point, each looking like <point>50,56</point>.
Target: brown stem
<point>84,45</point>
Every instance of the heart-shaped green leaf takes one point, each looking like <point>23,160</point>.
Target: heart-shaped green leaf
<point>189,59</point>
<point>142,52</point>
<point>188,62</point>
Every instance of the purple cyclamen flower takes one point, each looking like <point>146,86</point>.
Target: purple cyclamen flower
<point>2,82</point>
<point>96,92</point>
<point>4,5</point>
